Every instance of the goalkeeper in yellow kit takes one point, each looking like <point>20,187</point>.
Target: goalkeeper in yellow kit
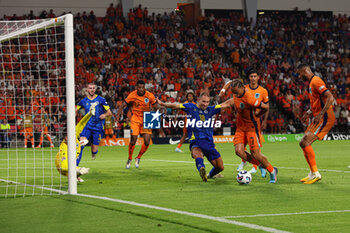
<point>62,156</point>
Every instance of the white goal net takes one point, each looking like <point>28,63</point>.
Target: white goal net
<point>36,100</point>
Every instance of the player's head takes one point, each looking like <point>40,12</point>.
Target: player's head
<point>190,97</point>
<point>204,100</point>
<point>237,87</point>
<point>91,89</point>
<point>304,71</point>
<point>140,87</point>
<point>253,77</point>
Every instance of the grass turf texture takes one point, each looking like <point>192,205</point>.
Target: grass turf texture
<point>170,180</point>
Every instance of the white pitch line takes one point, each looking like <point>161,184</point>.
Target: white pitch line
<point>228,164</point>
<point>203,216</point>
<point>284,214</point>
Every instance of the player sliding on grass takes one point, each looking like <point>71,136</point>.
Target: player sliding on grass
<point>323,119</point>
<point>247,131</point>
<point>61,161</point>
<point>200,133</point>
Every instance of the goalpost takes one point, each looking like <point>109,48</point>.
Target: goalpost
<point>37,100</point>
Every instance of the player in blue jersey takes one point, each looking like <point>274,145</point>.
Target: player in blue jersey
<point>94,128</point>
<point>200,129</point>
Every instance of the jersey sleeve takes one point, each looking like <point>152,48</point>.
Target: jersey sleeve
<point>105,104</point>
<point>215,109</point>
<point>265,97</point>
<point>319,86</point>
<point>152,99</point>
<point>80,104</point>
<point>187,107</point>
<point>129,99</point>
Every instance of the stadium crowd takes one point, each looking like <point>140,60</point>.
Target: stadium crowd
<point>175,58</point>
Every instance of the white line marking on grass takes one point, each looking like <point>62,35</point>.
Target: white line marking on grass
<point>203,216</point>
<point>34,186</point>
<point>228,164</point>
<point>284,214</point>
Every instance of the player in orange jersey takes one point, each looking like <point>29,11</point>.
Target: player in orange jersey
<point>262,95</point>
<point>141,101</point>
<point>323,119</point>
<point>45,123</point>
<point>189,99</point>
<point>247,131</point>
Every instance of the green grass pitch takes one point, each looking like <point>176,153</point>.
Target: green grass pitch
<point>170,180</point>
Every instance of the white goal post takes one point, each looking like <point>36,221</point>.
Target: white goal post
<point>39,65</point>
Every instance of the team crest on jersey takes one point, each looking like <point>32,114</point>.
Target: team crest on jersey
<point>206,112</point>
<point>257,95</point>
<point>146,100</point>
<point>241,105</point>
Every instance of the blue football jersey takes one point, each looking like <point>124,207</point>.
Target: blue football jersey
<point>95,123</point>
<point>203,129</point>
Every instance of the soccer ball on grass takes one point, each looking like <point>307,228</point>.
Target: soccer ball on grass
<point>244,177</point>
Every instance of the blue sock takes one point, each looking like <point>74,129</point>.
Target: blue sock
<point>214,171</point>
<point>80,155</point>
<point>199,163</point>
<point>94,153</point>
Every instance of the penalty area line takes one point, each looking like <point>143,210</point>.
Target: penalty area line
<point>203,216</point>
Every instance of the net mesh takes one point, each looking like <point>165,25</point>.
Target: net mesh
<point>32,106</point>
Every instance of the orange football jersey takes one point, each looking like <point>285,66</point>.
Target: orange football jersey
<point>140,104</point>
<point>317,88</point>
<point>245,106</point>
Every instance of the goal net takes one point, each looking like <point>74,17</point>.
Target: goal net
<point>36,106</point>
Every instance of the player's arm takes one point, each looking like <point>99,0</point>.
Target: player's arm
<point>264,109</point>
<point>227,104</point>
<point>329,101</point>
<point>106,114</point>
<point>169,105</point>
<point>224,89</point>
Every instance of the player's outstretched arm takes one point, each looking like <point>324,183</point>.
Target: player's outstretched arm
<point>227,104</point>
<point>168,105</point>
<point>224,89</point>
<point>106,114</point>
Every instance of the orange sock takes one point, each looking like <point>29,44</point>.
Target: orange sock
<point>179,145</point>
<point>269,168</point>
<point>255,166</point>
<point>254,162</point>
<point>243,161</point>
<point>142,151</point>
<point>41,140</point>
<point>32,140</point>
<point>131,150</point>
<point>25,141</point>
<point>309,154</point>
<point>49,138</point>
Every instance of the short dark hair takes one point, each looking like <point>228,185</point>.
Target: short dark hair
<point>189,93</point>
<point>302,66</point>
<point>253,71</point>
<point>204,93</point>
<point>237,83</point>
<point>140,82</point>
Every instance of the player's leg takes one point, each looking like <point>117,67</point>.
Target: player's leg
<point>239,141</point>
<point>84,136</point>
<point>96,138</point>
<point>31,135</point>
<point>197,154</point>
<point>182,140</point>
<point>41,140</point>
<point>133,140</point>
<point>309,154</point>
<point>144,147</point>
<point>256,153</point>
<point>215,159</point>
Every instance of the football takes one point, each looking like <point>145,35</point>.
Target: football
<point>244,177</point>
